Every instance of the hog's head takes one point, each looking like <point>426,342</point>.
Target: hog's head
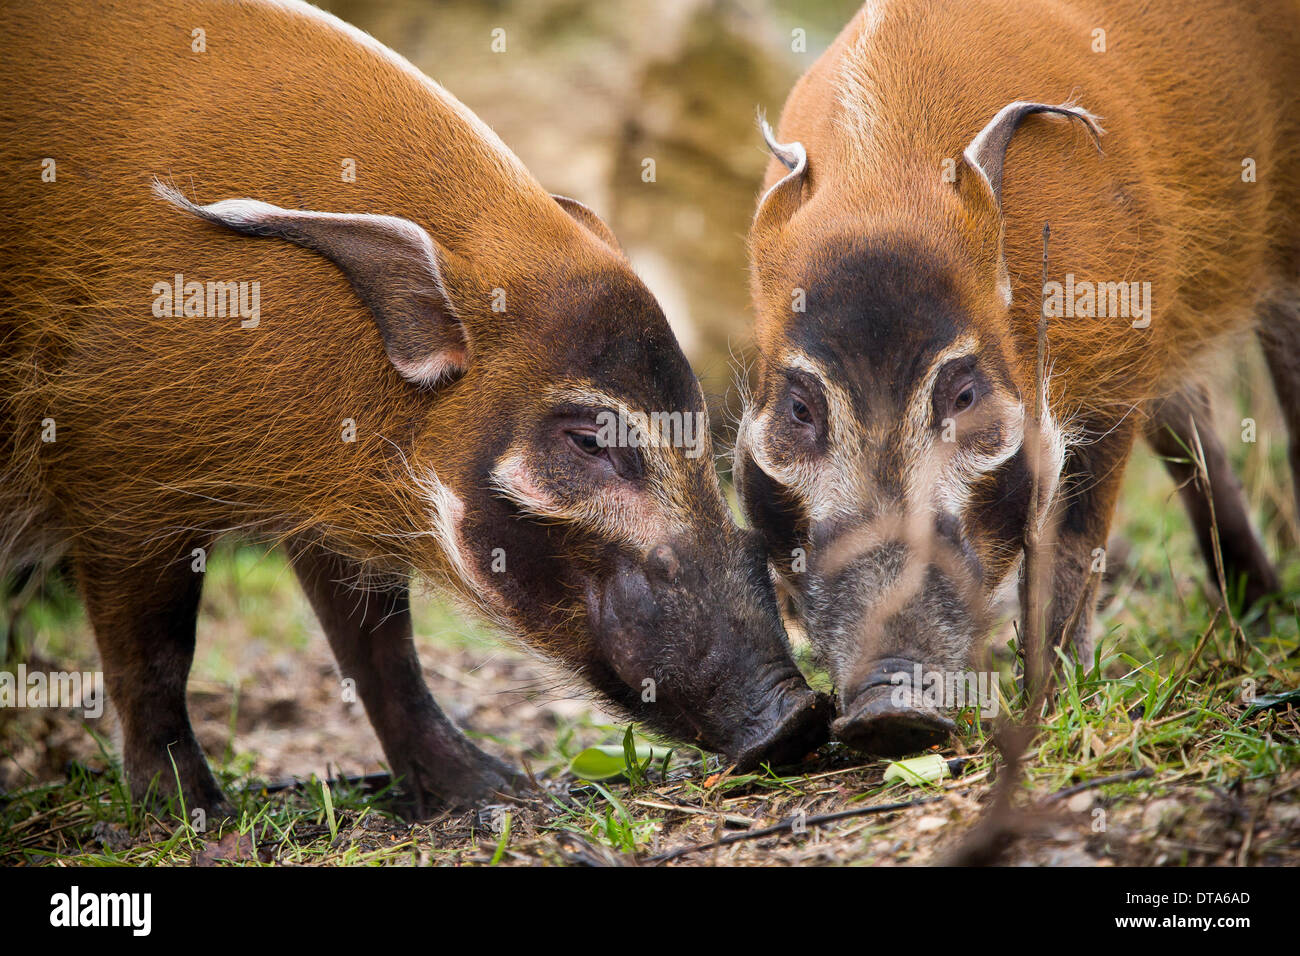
<point>567,472</point>
<point>883,452</point>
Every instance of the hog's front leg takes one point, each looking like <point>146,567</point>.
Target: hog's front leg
<point>370,633</point>
<point>1085,507</point>
<point>143,610</point>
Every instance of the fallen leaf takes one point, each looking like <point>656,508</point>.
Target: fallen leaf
<point>231,848</point>
<point>918,770</point>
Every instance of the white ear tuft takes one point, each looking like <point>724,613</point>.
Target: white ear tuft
<point>794,158</point>
<point>792,155</point>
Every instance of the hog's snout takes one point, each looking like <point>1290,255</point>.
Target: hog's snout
<point>796,723</point>
<point>885,715</point>
<point>883,611</point>
<point>693,635</point>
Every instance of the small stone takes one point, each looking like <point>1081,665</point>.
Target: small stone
<point>1160,813</point>
<point>1081,802</point>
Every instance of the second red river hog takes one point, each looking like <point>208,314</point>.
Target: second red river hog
<point>889,448</point>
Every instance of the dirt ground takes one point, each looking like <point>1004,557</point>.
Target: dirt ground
<point>289,722</point>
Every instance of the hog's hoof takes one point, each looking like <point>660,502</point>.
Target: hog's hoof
<point>202,812</point>
<point>879,727</point>
<point>499,781</point>
<point>156,793</point>
<point>421,794</point>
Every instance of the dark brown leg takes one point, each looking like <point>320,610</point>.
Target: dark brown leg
<point>1090,487</point>
<point>1172,429</point>
<point>370,633</point>
<point>143,613</point>
<point>1279,334</point>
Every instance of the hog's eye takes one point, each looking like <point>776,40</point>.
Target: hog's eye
<point>964,398</point>
<point>800,412</point>
<point>802,409</point>
<point>587,442</point>
<point>960,386</point>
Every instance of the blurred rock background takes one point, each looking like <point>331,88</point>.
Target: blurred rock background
<point>587,90</point>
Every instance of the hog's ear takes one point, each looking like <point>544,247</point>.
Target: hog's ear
<point>781,201</point>
<point>392,264</point>
<point>979,179</point>
<point>586,218</point>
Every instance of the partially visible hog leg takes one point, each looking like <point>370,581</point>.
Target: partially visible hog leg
<point>1090,486</point>
<point>370,633</point>
<point>143,612</point>
<point>1279,334</point>
<point>1170,433</point>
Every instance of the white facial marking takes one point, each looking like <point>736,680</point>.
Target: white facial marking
<point>938,477</point>
<point>512,478</point>
<point>446,512</point>
<point>826,485</point>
